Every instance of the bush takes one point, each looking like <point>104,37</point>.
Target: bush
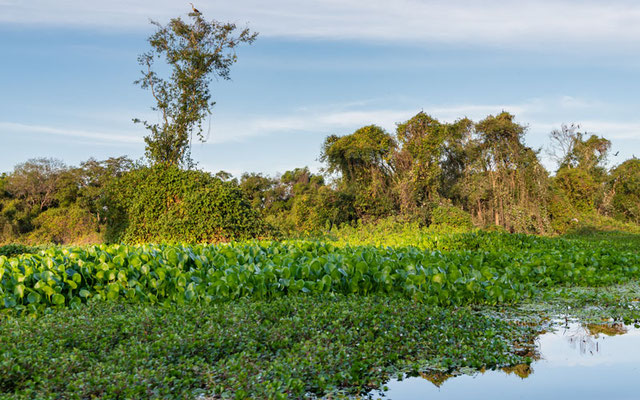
<point>65,225</point>
<point>446,214</point>
<point>167,204</point>
<point>562,214</point>
<point>579,188</point>
<point>12,250</point>
<point>626,185</point>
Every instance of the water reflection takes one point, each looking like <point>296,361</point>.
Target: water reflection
<point>522,370</point>
<point>588,361</point>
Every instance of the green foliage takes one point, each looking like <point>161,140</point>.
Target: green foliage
<point>430,172</point>
<point>261,191</point>
<point>93,176</point>
<point>588,154</point>
<point>458,269</point>
<point>446,214</point>
<point>579,188</point>
<point>298,203</point>
<point>44,201</point>
<point>355,155</point>
<point>363,160</point>
<point>626,188</point>
<point>591,225</point>
<point>36,182</point>
<point>60,225</point>
<point>390,231</point>
<point>195,52</point>
<point>562,214</point>
<point>167,204</point>
<point>12,250</point>
<point>507,185</point>
<point>431,159</point>
<point>297,347</point>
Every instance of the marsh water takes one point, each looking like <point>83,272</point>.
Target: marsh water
<point>573,361</point>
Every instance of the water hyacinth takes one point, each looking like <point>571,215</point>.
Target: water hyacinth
<point>505,272</point>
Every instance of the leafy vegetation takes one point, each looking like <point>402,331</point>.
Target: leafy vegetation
<point>625,185</point>
<point>295,319</point>
<point>12,250</point>
<point>168,204</point>
<point>293,347</point>
<point>468,268</point>
<point>44,201</point>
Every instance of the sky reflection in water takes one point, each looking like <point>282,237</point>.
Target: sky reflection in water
<point>582,362</point>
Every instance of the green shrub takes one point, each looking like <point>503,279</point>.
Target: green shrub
<point>626,186</point>
<point>562,214</point>
<point>12,250</point>
<point>594,223</point>
<point>167,204</point>
<point>579,188</point>
<point>65,225</point>
<point>446,214</point>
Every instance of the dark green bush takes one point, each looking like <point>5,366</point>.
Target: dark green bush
<point>167,204</point>
<point>12,250</point>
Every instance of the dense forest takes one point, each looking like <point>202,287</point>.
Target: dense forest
<point>461,174</point>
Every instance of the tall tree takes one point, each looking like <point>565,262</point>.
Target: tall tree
<point>37,181</point>
<point>571,148</point>
<point>431,159</point>
<point>509,184</point>
<point>581,178</point>
<point>363,159</point>
<point>195,51</point>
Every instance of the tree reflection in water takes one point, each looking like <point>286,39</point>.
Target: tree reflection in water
<point>586,339</point>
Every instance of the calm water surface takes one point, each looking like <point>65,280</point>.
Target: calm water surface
<point>576,362</point>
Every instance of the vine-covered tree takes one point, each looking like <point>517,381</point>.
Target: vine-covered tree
<point>430,160</point>
<point>195,51</point>
<point>364,161</point>
<point>625,190</point>
<point>508,184</point>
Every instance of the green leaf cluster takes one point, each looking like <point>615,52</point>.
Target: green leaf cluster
<point>168,204</point>
<point>472,268</point>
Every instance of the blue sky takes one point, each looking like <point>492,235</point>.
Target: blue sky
<point>319,68</point>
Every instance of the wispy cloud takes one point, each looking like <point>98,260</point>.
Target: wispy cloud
<point>540,115</point>
<point>540,23</point>
<point>9,128</point>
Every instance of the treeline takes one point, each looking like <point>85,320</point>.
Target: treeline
<point>457,173</point>
<point>461,173</point>
<point>118,200</point>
